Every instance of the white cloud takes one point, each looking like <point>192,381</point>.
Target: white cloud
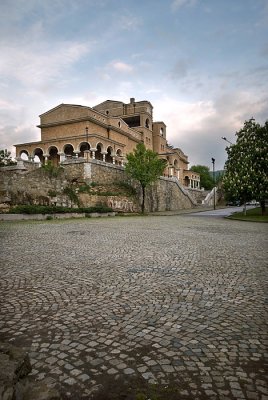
<point>10,135</point>
<point>181,116</point>
<point>7,105</point>
<point>38,66</point>
<point>121,66</point>
<point>197,127</point>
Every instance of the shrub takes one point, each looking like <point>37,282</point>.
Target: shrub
<point>36,209</point>
<point>70,192</point>
<point>98,209</point>
<point>52,193</point>
<point>84,189</point>
<point>52,170</point>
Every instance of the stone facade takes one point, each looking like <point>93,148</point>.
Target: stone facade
<point>106,132</point>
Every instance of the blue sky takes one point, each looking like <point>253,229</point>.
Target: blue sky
<point>203,64</point>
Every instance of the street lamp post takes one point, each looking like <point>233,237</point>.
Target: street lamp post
<point>226,140</point>
<point>214,192</point>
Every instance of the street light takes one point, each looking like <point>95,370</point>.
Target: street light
<point>226,140</point>
<point>214,192</point>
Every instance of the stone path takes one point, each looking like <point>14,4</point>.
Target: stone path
<point>122,308</point>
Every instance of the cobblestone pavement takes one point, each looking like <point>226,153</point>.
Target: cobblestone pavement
<point>117,308</point>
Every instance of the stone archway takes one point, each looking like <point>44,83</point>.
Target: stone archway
<point>38,155</point>
<point>68,150</point>
<point>98,153</point>
<point>53,155</point>
<point>186,181</point>
<point>84,146</point>
<point>118,157</point>
<point>109,155</point>
<point>24,155</point>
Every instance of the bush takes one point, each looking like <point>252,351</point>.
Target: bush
<point>52,170</point>
<point>84,189</point>
<point>71,193</point>
<point>52,193</point>
<point>35,209</point>
<point>98,209</point>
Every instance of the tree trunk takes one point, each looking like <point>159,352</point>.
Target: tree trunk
<point>245,208</point>
<point>263,209</point>
<point>143,199</point>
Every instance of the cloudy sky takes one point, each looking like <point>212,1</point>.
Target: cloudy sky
<point>203,64</point>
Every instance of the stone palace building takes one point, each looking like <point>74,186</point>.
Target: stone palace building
<point>106,132</point>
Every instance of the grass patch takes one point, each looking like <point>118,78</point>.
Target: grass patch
<point>253,215</point>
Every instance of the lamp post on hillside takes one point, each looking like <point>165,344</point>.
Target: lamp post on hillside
<point>214,192</point>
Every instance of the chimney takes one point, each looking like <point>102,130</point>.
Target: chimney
<point>132,100</point>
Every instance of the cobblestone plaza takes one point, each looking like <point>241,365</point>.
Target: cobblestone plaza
<point>179,302</point>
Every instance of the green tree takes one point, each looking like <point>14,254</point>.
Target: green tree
<point>145,166</point>
<point>206,180</point>
<point>5,158</point>
<point>246,168</point>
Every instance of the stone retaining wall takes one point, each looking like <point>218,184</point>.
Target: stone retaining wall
<point>167,195</point>
<point>198,195</point>
<point>20,186</point>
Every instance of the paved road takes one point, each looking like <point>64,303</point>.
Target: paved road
<point>120,304</point>
<point>222,212</point>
